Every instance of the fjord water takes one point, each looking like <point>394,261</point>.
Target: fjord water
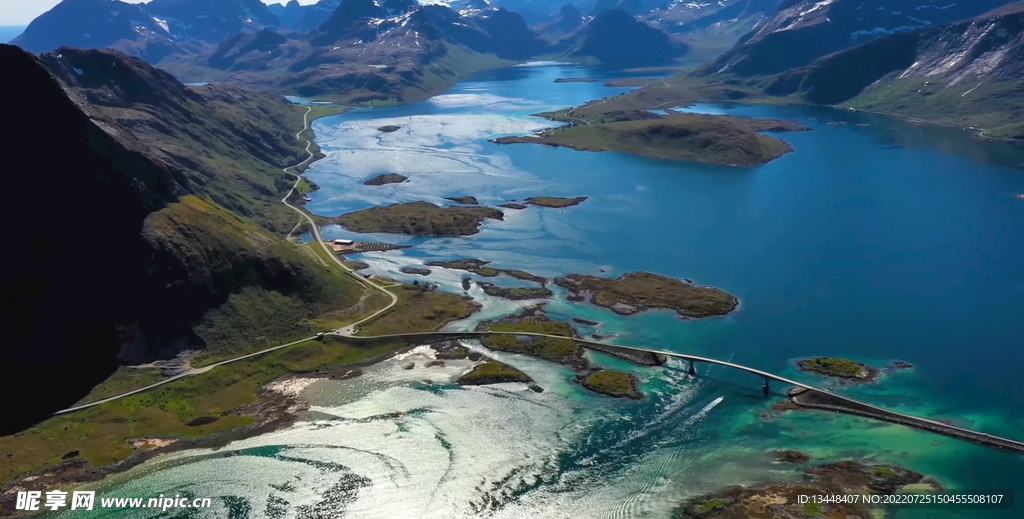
<point>875,239</point>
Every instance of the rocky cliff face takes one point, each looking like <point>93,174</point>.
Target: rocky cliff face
<point>804,30</point>
<point>963,73</point>
<point>135,27</point>
<point>618,39</point>
<point>148,231</point>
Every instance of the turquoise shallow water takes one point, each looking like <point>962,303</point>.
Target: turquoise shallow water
<point>874,239</point>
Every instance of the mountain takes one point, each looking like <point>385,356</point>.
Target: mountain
<point>370,51</point>
<point>740,16</point>
<point>615,38</point>
<point>162,226</point>
<point>966,73</point>
<point>568,20</point>
<point>290,14</point>
<point>804,30</point>
<point>91,24</point>
<point>210,20</point>
<point>151,30</point>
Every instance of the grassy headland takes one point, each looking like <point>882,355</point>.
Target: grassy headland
<point>419,219</point>
<point>638,291</point>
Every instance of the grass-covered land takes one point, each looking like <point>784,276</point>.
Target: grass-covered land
<point>638,291</point>
<point>100,434</point>
<point>555,201</point>
<point>319,111</point>
<point>557,350</point>
<point>493,373</point>
<point>619,384</point>
<point>252,302</point>
<point>837,367</point>
<point>419,219</point>
<point>705,138</point>
<point>415,270</point>
<point>419,311</point>
<point>125,379</point>
<point>996,105</point>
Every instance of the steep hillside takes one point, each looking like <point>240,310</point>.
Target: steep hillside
<point>618,39</point>
<point>152,30</point>
<point>711,28</point>
<point>966,73</point>
<point>569,19</point>
<point>134,254</point>
<point>804,30</point>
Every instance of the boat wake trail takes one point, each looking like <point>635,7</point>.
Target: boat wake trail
<point>629,507</point>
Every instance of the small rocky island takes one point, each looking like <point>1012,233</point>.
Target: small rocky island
<point>575,80</point>
<point>466,200</point>
<point>387,178</point>
<point>782,500</point>
<point>555,201</point>
<point>419,219</point>
<point>714,139</point>
<point>515,293</point>
<point>492,373</point>
<point>419,271</point>
<point>480,268</point>
<point>613,383</point>
<point>839,368</point>
<point>390,128</point>
<point>638,291</point>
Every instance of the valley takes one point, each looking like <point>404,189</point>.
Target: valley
<point>233,309</point>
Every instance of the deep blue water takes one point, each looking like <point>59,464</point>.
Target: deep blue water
<point>874,239</point>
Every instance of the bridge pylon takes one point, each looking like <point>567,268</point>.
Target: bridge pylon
<point>692,370</point>
<point>767,387</point>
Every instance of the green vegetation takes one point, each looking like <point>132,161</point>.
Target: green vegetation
<point>997,105</point>
<point>419,311</point>
<point>419,219</point>
<point>885,471</point>
<point>276,300</point>
<point>319,111</point>
<point>837,367</point>
<point>101,433</point>
<point>706,138</point>
<point>125,379</point>
<point>556,350</point>
<point>710,505</point>
<point>619,384</point>
<point>812,508</point>
<point>493,373</point>
<point>415,270</point>
<point>305,186</point>
<point>555,201</point>
<point>638,291</point>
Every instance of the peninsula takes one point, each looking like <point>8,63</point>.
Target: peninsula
<point>419,219</point>
<point>638,291</point>
<point>713,139</point>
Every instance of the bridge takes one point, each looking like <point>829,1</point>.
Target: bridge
<point>807,396</point>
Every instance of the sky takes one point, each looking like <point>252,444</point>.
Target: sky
<point>21,12</point>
